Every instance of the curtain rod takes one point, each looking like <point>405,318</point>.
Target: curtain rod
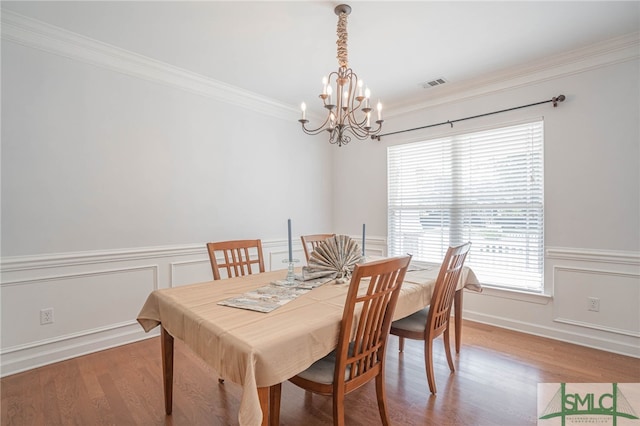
<point>555,100</point>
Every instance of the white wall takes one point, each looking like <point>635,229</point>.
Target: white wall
<point>115,172</point>
<point>117,169</point>
<point>94,159</point>
<point>592,197</point>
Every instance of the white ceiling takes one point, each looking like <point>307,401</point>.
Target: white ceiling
<point>282,49</point>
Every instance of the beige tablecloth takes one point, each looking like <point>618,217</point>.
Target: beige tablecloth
<point>258,349</point>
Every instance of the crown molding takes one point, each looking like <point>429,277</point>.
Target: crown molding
<point>602,54</point>
<point>40,35</point>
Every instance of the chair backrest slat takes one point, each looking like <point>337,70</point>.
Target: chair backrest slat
<point>367,319</point>
<point>445,289</point>
<point>237,257</point>
<point>310,242</point>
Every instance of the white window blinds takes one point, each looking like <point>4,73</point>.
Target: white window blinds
<point>484,187</point>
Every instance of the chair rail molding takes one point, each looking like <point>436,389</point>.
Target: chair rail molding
<point>59,260</point>
<point>590,255</point>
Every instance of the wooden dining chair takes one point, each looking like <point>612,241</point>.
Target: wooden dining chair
<point>237,257</point>
<point>360,355</point>
<point>310,242</point>
<point>432,321</point>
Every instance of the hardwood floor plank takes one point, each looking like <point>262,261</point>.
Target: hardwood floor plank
<point>495,384</point>
<point>119,408</point>
<point>73,400</point>
<point>51,411</point>
<point>91,369</point>
<point>18,410</point>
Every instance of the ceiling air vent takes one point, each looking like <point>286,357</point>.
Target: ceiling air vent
<point>433,83</point>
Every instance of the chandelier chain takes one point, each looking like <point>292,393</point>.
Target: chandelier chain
<point>342,40</point>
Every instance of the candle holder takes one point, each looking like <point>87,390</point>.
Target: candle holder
<point>290,279</point>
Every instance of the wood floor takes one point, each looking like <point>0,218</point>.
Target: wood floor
<point>495,383</point>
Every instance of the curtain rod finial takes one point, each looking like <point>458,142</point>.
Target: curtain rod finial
<point>560,98</point>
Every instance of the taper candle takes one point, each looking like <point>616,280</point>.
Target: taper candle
<point>363,237</point>
<point>290,247</point>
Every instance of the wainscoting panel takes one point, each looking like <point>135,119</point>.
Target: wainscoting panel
<point>190,271</point>
<point>572,275</point>
<point>278,258</point>
<point>99,298</point>
<point>96,296</point>
<point>617,295</point>
<point>375,246</point>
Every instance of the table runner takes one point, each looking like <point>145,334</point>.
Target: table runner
<point>269,297</point>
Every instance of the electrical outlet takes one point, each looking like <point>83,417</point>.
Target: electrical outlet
<point>46,316</point>
<point>593,304</point>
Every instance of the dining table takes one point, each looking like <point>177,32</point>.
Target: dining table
<point>261,349</point>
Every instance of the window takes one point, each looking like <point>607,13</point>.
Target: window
<point>484,187</point>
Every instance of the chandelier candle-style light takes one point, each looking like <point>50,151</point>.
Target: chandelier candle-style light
<point>348,106</point>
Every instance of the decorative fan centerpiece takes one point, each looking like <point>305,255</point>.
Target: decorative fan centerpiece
<point>335,257</point>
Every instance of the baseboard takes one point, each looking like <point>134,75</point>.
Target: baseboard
<point>38,354</point>
<point>580,339</point>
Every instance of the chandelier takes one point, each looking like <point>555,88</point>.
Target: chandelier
<point>348,106</point>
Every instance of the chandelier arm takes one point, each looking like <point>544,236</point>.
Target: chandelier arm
<point>353,120</point>
<point>363,133</point>
<point>378,129</point>
<point>353,108</point>
<point>362,124</point>
<point>359,133</point>
<point>355,125</point>
<point>319,129</point>
<point>316,131</point>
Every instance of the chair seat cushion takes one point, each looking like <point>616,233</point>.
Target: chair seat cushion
<point>415,322</point>
<point>322,370</point>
